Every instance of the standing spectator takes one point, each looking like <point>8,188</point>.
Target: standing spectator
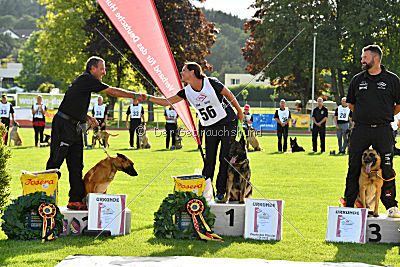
<point>171,118</point>
<point>343,116</point>
<point>247,122</point>
<point>395,126</point>
<point>374,98</point>
<point>282,117</point>
<point>319,117</point>
<point>5,110</point>
<point>136,113</point>
<point>39,120</point>
<point>100,113</point>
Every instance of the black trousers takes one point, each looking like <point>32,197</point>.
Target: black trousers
<point>321,131</point>
<point>100,121</point>
<point>6,122</point>
<point>381,139</point>
<point>170,128</point>
<point>214,135</point>
<point>282,132</point>
<point>67,143</point>
<point>134,128</point>
<point>38,133</point>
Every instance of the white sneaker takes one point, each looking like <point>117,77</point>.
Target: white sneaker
<point>131,148</point>
<point>393,212</point>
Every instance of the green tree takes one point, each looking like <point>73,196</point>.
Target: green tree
<point>5,177</point>
<point>46,87</point>
<point>30,77</point>
<point>341,35</point>
<point>18,8</point>
<point>7,21</point>
<point>25,22</point>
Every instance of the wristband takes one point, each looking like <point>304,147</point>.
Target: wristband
<point>134,96</point>
<point>148,98</point>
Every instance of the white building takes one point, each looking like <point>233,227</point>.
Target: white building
<point>232,79</point>
<point>8,74</point>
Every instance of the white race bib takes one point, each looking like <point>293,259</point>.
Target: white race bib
<point>283,114</point>
<point>136,111</point>
<point>343,113</point>
<point>5,110</point>
<point>39,113</point>
<point>207,105</point>
<point>99,111</point>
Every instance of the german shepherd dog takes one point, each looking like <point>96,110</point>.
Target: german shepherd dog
<point>102,137</point>
<point>370,181</point>
<point>143,137</point>
<point>238,185</point>
<point>14,135</point>
<point>99,177</point>
<point>294,146</point>
<point>252,139</point>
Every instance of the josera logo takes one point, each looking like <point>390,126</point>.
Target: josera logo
<point>31,182</point>
<point>187,186</point>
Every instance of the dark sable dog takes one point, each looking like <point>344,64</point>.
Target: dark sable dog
<point>370,181</point>
<point>295,147</point>
<point>238,185</point>
<point>98,178</point>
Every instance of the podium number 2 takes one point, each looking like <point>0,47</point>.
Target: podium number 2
<point>375,232</point>
<point>231,213</point>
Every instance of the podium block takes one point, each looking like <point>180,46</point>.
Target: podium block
<point>81,214</point>
<point>383,229</point>
<point>229,219</point>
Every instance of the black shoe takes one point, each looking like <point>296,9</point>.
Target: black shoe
<point>219,198</point>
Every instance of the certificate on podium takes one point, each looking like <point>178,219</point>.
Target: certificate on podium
<point>263,219</point>
<point>346,225</point>
<point>107,212</point>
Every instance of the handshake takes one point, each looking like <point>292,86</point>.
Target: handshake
<point>141,97</point>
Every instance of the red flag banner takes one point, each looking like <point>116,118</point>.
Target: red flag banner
<point>139,24</point>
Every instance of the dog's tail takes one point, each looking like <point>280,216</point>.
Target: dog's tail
<point>114,135</point>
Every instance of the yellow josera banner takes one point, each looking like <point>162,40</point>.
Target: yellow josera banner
<point>301,121</point>
<point>45,182</point>
<point>194,185</point>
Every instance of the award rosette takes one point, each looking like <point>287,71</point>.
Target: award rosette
<point>195,208</point>
<point>47,211</point>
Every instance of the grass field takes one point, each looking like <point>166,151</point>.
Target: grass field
<point>307,182</point>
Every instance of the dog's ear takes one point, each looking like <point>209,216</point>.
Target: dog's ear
<point>295,139</point>
<point>291,139</point>
<point>121,156</point>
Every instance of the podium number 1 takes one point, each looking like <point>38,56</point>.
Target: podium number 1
<point>231,213</point>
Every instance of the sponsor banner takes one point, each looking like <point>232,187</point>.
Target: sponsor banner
<point>346,225</point>
<point>139,24</point>
<point>107,212</point>
<point>190,183</point>
<point>263,219</point>
<point>301,121</point>
<point>45,181</point>
<point>52,101</point>
<point>264,122</point>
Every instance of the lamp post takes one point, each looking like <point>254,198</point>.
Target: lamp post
<point>313,77</point>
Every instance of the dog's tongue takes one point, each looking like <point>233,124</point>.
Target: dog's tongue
<point>233,160</point>
<point>368,167</point>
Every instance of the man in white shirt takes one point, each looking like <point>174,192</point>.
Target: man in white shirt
<point>343,116</point>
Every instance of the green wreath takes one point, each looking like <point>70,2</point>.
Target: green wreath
<point>175,204</point>
<point>14,225</point>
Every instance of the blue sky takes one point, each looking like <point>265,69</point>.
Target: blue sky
<point>235,7</point>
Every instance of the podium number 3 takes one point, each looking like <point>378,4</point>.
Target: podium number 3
<point>375,232</point>
<point>231,213</point>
